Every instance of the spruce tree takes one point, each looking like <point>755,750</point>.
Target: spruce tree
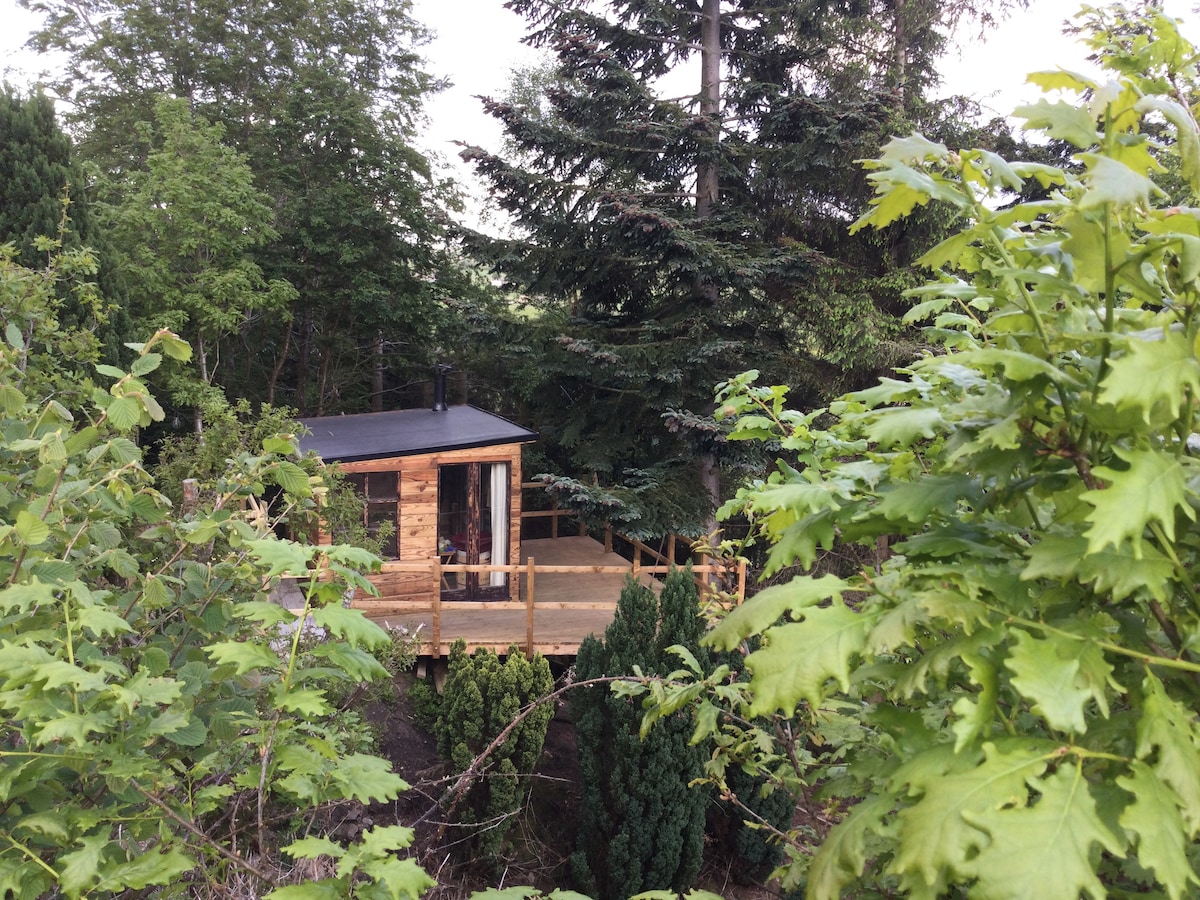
<point>677,240</point>
<point>641,825</point>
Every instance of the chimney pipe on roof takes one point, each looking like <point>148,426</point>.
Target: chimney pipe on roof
<point>439,386</point>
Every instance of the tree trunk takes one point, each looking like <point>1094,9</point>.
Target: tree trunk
<point>377,374</point>
<point>707,191</point>
<point>707,183</point>
<point>900,51</point>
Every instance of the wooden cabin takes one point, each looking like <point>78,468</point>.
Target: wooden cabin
<point>447,478</point>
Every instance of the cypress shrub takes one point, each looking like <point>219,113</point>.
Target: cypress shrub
<point>482,695</point>
<point>642,826</point>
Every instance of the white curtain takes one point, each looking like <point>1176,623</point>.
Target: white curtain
<point>499,521</point>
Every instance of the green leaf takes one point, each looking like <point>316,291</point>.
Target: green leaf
<point>102,622</point>
<point>13,335</point>
<point>79,869</point>
<point>368,779</point>
<point>798,659</point>
<point>291,478</point>
<point>1150,490</point>
<point>174,346</point>
<point>1110,181</point>
<point>124,413</point>
<point>162,866</point>
<point>244,657</point>
<point>843,853</point>
<point>770,604</point>
<point>1048,678</point>
<point>146,364</point>
<point>1060,120</point>
<point>24,597</point>
<point>1154,818</point>
<point>326,889</point>
<point>313,848</point>
<point>1043,850</point>
<point>1168,728</point>
<point>351,625</point>
<point>917,501</point>
<point>305,702</point>
<point>281,557</point>
<point>1152,375</point>
<point>937,834</point>
<point>12,401</point>
<point>31,529</point>
<point>977,713</point>
<point>193,734</point>
<point>900,427</point>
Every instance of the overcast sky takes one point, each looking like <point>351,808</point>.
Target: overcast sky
<point>478,45</point>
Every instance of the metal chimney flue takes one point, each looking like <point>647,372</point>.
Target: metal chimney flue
<point>439,386</point>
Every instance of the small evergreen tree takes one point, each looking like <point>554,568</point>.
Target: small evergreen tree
<point>481,697</point>
<point>642,826</point>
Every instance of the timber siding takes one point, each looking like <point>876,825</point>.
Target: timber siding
<point>418,512</point>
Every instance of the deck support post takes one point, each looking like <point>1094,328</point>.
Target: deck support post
<point>530,569</point>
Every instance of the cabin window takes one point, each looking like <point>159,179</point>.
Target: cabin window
<point>381,513</point>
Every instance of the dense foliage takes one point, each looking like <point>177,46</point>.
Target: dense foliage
<point>670,234</point>
<point>323,101</point>
<point>165,724</point>
<point>44,208</point>
<point>481,697</point>
<point>641,823</point>
<point>1006,702</point>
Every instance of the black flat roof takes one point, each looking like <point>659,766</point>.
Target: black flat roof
<point>407,432</point>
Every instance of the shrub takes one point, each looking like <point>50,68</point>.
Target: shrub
<point>158,723</point>
<point>642,825</point>
<point>1009,697</point>
<point>481,697</point>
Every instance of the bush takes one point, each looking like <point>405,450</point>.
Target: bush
<point>642,825</point>
<point>481,697</point>
<point>161,716</point>
<point>1007,700</point>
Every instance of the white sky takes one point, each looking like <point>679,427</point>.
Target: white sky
<point>478,45</point>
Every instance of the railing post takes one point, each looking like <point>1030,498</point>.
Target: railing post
<point>529,577</point>
<point>671,547</point>
<point>435,631</point>
<point>191,495</point>
<point>608,537</point>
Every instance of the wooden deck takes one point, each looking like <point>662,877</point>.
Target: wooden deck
<point>574,584</point>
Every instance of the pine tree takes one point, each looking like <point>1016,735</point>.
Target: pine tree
<point>641,825</point>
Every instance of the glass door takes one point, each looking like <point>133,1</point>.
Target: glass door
<point>473,512</point>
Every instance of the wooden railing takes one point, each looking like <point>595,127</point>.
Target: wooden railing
<point>724,583</point>
<point>701,565</point>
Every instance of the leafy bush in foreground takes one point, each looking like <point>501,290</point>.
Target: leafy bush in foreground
<point>1014,689</point>
<point>162,726</point>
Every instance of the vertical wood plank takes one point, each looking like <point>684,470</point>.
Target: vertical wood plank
<point>435,635</point>
<point>529,608</point>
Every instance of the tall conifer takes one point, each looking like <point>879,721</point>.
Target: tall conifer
<point>642,826</point>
